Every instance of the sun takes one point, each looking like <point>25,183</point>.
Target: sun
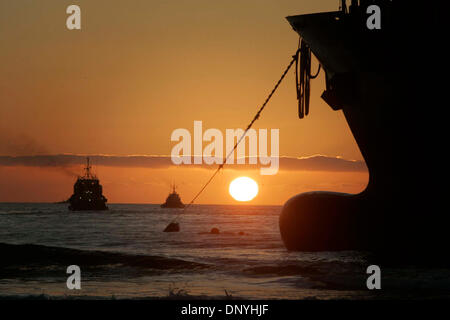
<point>243,189</point>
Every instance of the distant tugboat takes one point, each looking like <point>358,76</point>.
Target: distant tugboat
<point>173,200</point>
<point>87,193</point>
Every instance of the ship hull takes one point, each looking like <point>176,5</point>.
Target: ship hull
<point>88,206</point>
<point>168,206</point>
<point>375,79</point>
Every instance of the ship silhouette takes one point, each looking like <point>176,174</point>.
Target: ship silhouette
<point>87,192</point>
<point>388,84</point>
<point>173,200</point>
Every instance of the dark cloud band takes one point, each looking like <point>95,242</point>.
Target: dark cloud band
<point>312,163</point>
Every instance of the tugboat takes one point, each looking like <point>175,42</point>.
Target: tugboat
<point>173,200</point>
<point>87,193</point>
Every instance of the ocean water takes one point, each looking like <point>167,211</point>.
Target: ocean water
<point>124,254</point>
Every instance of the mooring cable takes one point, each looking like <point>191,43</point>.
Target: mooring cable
<point>256,117</point>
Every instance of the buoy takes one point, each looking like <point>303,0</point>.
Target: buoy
<point>172,227</point>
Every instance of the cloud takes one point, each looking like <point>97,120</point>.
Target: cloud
<point>311,163</point>
<point>322,163</point>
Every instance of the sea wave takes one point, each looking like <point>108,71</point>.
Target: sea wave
<point>20,259</point>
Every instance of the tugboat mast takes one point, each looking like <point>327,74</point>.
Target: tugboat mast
<point>87,169</point>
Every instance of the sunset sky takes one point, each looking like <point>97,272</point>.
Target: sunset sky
<point>140,69</point>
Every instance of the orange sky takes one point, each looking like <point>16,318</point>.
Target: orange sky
<point>138,185</point>
<point>138,70</point>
